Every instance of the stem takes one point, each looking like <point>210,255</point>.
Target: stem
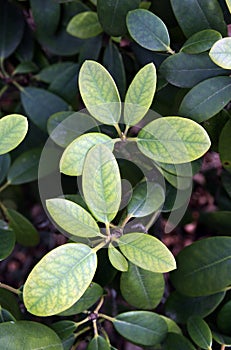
<point>126,221</point>
<point>223,347</point>
<point>82,322</point>
<point>169,50</point>
<point>4,186</point>
<point>17,85</point>
<point>95,328</point>
<point>82,331</point>
<point>106,317</point>
<point>99,305</point>
<point>118,130</point>
<point>126,130</point>
<point>2,91</point>
<point>108,232</point>
<point>11,289</point>
<point>101,245</point>
<point>6,75</point>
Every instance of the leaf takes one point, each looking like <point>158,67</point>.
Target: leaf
<point>25,168</point>
<point>194,268</point>
<point>226,181</point>
<point>203,14</point>
<point>201,41</point>
<point>147,198</point>
<point>9,301</point>
<point>141,288</point>
<point>173,140</point>
<point>30,335</point>
<point>200,332</point>
<point>223,318</point>
<point>46,23</point>
<point>101,183</point>
<point>218,221</point>
<point>7,238</point>
<point>52,72</point>
<point>222,339</point>
<point>140,94</point>
<point>25,67</point>
<point>141,327</point>
<point>73,158</point>
<point>99,93</point>
<point>13,129</point>
<point>112,15</point>
<point>220,53</point>
<point>72,218</point>
<point>183,169</point>
<point>186,70</point>
<point>46,104</point>
<point>172,326</point>
<point>64,328</point>
<point>156,36</point>
<point>11,28</point>
<point>206,99</point>
<point>6,316</point>
<point>180,307</point>
<point>25,232</point>
<point>146,252</point>
<point>91,49</point>
<point>117,259</point>
<point>228,3</point>
<point>88,299</point>
<point>175,341</point>
<point>4,165</point>
<point>225,147</point>
<point>59,279</point>
<point>178,182</point>
<point>98,343</point>
<point>84,25</point>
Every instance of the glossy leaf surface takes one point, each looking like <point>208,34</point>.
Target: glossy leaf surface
<point>173,140</point>
<point>98,343</point>
<point>200,332</point>
<point>45,292</point>
<point>220,53</point>
<point>146,252</point>
<point>201,41</point>
<point>84,25</point>
<point>117,259</point>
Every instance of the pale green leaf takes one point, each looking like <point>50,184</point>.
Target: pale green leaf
<point>147,252</point>
<point>141,288</point>
<point>194,268</point>
<point>183,169</point>
<point>72,218</point>
<point>173,140</point>
<point>99,93</point>
<point>156,36</point>
<point>84,25</point>
<point>220,53</point>
<point>179,182</point>
<point>228,3</point>
<point>201,41</point>
<point>28,335</point>
<point>59,279</point>
<point>101,183</point>
<point>13,129</point>
<point>74,155</point>
<point>200,332</point>
<point>206,99</point>
<point>140,94</point>
<point>117,259</point>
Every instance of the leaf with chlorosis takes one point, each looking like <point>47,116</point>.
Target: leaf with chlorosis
<point>142,327</point>
<point>220,53</point>
<point>228,3</point>
<point>102,183</point>
<point>117,259</point>
<point>13,129</point>
<point>201,41</point>
<point>194,268</point>
<point>140,94</point>
<point>173,140</point>
<point>147,252</point>
<point>99,93</point>
<point>206,99</point>
<point>72,218</point>
<point>84,25</point>
<point>73,157</point>
<point>200,332</point>
<point>28,335</point>
<point>156,36</point>
<point>59,279</point>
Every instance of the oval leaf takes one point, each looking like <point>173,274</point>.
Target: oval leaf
<point>98,343</point>
<point>72,218</point>
<point>220,53</point>
<point>156,36</point>
<point>147,252</point>
<point>194,268</point>
<point>141,288</point>
<point>102,183</point>
<point>45,292</point>
<point>201,41</point>
<point>141,327</point>
<point>64,329</point>
<point>7,238</point>
<point>173,140</point>
<point>140,94</point>
<point>225,146</point>
<point>200,332</point>
<point>99,93</point>
<point>176,341</point>
<point>84,25</point>
<point>32,335</point>
<point>206,99</point>
<point>117,259</point>
<point>74,155</point>
<point>13,129</point>
<point>224,317</point>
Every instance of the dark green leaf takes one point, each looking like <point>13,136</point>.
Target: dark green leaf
<point>225,145</point>
<point>200,332</point>
<point>156,36</point>
<point>220,53</point>
<point>176,341</point>
<point>98,343</point>
<point>226,181</point>
<point>224,317</point>
<point>6,316</point>
<point>64,328</point>
<point>112,15</point>
<point>141,327</point>
<point>9,301</point>
<point>84,25</point>
<point>172,326</point>
<point>141,288</point>
<point>212,266</point>
<point>206,99</point>
<point>46,104</point>
<point>46,15</point>
<point>201,41</point>
<point>218,221</point>
<point>7,238</point>
<point>4,165</point>
<point>25,67</point>
<point>222,339</point>
<point>11,28</point>
<point>54,71</point>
